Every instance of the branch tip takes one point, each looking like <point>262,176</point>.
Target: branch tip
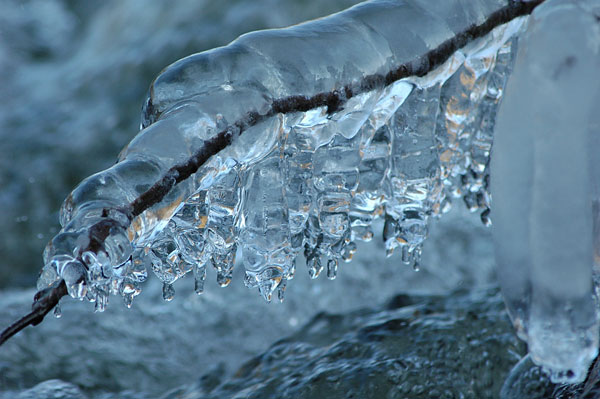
<point>43,302</point>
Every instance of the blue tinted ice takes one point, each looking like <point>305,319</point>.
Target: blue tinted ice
<point>545,179</point>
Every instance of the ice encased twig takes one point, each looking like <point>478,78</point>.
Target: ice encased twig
<point>326,152</point>
<point>545,187</point>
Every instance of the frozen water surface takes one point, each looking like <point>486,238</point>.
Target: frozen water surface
<point>302,190</point>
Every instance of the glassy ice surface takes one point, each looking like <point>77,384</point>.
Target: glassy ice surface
<point>545,191</point>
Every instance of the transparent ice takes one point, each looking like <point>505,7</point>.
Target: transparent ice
<point>546,191</point>
<point>310,182</point>
<point>314,182</point>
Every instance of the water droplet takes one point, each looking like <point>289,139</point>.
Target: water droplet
<point>129,290</point>
<point>168,292</point>
<point>416,266</point>
<point>223,264</point>
<point>406,255</point>
<point>446,206</point>
<point>223,279</point>
<point>485,218</point>
<point>74,274</point>
<point>281,290</point>
<point>128,300</point>
<point>332,266</point>
<point>348,252</point>
<point>265,288</point>
<point>314,266</point>
<point>292,270</point>
<point>416,255</point>
<point>199,277</point>
<point>57,311</point>
<point>470,202</point>
<point>101,301</point>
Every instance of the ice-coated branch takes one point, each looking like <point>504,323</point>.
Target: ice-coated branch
<point>333,100</point>
<point>113,222</point>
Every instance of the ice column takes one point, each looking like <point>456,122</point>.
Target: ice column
<point>414,173</point>
<point>544,170</point>
<point>265,234</point>
<point>300,144</point>
<point>374,167</point>
<point>223,212</point>
<point>191,221</point>
<point>335,180</point>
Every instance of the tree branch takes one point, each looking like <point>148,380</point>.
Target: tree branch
<point>43,302</point>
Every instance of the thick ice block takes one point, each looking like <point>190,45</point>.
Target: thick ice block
<point>544,174</point>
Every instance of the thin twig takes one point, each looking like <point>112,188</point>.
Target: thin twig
<point>43,302</point>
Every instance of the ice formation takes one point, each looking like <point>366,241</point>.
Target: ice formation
<point>546,191</point>
<point>393,120</point>
<point>316,163</point>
